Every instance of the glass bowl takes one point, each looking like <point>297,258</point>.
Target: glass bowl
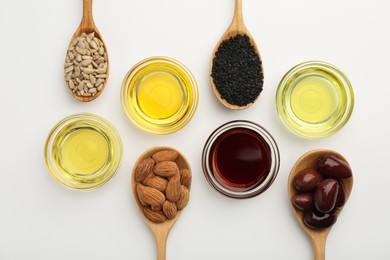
<point>240,159</point>
<point>83,151</point>
<point>159,95</point>
<point>314,99</point>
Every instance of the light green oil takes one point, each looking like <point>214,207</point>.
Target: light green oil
<point>314,100</point>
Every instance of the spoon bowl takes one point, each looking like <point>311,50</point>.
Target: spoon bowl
<point>159,230</point>
<point>236,27</point>
<point>88,26</point>
<point>317,236</point>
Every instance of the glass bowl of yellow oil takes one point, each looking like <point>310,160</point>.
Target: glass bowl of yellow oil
<point>159,95</point>
<point>83,151</point>
<point>314,99</point>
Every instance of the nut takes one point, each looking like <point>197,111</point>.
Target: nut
<point>143,168</point>
<point>186,177</point>
<point>166,169</point>
<point>166,155</point>
<point>154,216</point>
<point>161,187</point>
<point>150,196</point>
<point>173,191</point>
<point>158,183</point>
<point>184,198</point>
<point>169,209</point>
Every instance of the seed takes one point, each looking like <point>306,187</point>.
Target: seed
<point>101,70</point>
<point>100,87</point>
<point>101,76</point>
<point>87,70</point>
<point>99,60</point>
<point>94,45</point>
<point>92,79</point>
<point>86,62</point>
<point>68,76</point>
<point>89,85</point>
<point>69,69</point>
<point>86,57</point>
<point>99,82</point>
<point>91,35</point>
<point>85,76</point>
<point>81,45</point>
<point>81,51</point>
<point>77,71</point>
<point>71,84</point>
<point>94,64</point>
<point>67,64</point>
<point>92,90</point>
<point>78,93</point>
<point>70,55</point>
<point>101,51</point>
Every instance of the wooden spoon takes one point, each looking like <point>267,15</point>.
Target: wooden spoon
<point>318,236</point>
<point>87,26</point>
<point>236,27</point>
<point>159,230</point>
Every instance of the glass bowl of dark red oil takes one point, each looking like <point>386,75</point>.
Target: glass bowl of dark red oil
<point>240,159</point>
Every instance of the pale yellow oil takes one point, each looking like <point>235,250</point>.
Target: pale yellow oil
<point>82,152</point>
<point>160,94</point>
<point>316,98</point>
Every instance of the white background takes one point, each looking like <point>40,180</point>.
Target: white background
<point>40,219</point>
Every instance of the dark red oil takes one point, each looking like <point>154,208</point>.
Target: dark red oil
<point>240,159</point>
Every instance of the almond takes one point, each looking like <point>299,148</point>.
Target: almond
<point>184,198</point>
<point>143,168</point>
<point>166,155</point>
<point>186,177</point>
<point>158,183</point>
<point>154,216</point>
<point>150,175</point>
<point>166,169</point>
<point>173,189</point>
<point>156,208</point>
<point>150,196</point>
<point>169,209</point>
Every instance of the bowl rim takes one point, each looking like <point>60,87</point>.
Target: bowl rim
<point>161,129</point>
<point>106,126</point>
<point>275,159</point>
<point>346,86</point>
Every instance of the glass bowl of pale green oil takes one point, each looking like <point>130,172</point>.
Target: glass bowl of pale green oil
<point>83,151</point>
<point>314,99</point>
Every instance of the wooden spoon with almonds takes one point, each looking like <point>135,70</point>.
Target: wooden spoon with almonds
<point>159,230</point>
<point>317,236</point>
<point>88,26</point>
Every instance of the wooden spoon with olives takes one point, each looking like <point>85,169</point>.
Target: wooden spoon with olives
<point>315,183</point>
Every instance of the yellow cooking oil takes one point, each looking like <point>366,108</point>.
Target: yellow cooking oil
<point>316,97</point>
<point>160,94</point>
<point>82,152</point>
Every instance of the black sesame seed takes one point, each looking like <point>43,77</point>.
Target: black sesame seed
<point>237,72</point>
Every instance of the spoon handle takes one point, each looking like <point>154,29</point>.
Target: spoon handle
<point>238,12</point>
<point>161,242</point>
<point>319,247</point>
<point>87,20</point>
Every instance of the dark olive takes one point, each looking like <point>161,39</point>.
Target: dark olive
<point>318,220</point>
<point>325,195</point>
<point>332,167</point>
<point>341,196</point>
<point>304,201</point>
<point>307,179</point>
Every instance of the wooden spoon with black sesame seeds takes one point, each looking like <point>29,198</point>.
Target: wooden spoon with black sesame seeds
<point>234,95</point>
